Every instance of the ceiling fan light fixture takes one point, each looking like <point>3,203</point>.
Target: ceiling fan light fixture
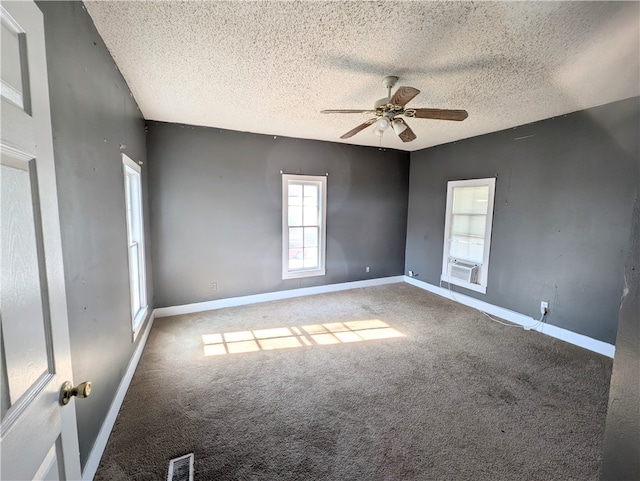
<point>383,124</point>
<point>377,131</point>
<point>398,126</point>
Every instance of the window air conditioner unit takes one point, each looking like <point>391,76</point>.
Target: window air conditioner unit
<point>463,271</point>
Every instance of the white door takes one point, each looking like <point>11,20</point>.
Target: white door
<point>38,435</point>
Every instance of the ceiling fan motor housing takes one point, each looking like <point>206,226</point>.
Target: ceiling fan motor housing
<point>381,102</point>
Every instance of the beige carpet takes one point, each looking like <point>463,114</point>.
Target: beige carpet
<point>305,389</point>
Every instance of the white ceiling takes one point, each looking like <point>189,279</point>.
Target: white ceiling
<point>270,66</point>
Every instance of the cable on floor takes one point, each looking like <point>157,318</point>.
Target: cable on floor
<point>537,324</point>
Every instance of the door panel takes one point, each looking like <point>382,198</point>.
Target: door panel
<point>14,66</point>
<point>38,436</point>
<point>11,55</point>
<point>23,323</point>
<point>50,468</point>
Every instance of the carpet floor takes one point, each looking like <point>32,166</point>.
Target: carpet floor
<point>381,383</point>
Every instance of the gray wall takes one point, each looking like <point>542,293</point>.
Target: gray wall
<point>92,115</point>
<point>563,210</point>
<point>622,431</point>
<point>563,205</point>
<point>216,211</point>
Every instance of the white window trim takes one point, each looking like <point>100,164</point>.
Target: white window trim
<point>321,270</point>
<point>484,269</point>
<point>137,318</point>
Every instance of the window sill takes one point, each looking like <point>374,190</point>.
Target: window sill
<point>465,285</point>
<point>299,274</point>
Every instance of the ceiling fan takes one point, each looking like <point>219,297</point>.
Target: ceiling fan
<point>389,109</point>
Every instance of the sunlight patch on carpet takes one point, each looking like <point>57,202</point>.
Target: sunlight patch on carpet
<point>238,342</point>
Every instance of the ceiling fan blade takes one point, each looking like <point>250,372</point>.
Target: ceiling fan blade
<point>403,95</point>
<point>346,111</point>
<point>407,134</point>
<point>360,127</point>
<point>439,114</point>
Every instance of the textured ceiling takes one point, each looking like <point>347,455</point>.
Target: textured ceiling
<point>270,67</point>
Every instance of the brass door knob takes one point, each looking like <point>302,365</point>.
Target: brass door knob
<point>68,391</point>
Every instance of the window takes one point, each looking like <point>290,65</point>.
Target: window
<point>135,240</point>
<point>467,233</point>
<point>304,199</point>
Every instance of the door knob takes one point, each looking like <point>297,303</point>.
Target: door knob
<point>68,391</point>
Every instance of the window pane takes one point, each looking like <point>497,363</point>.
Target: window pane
<point>296,262</point>
<point>295,237</point>
<point>128,197</point>
<point>310,215</point>
<point>477,225</point>
<point>467,248</point>
<point>296,240</point>
<point>473,225</point>
<point>310,257</point>
<point>134,269</point>
<point>310,195</point>
<point>295,194</point>
<point>136,207</point>
<point>311,237</point>
<point>295,253</point>
<point>295,215</point>
<point>470,200</point>
<point>460,224</point>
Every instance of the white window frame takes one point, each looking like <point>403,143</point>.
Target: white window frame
<point>135,242</point>
<point>321,182</point>
<point>484,267</point>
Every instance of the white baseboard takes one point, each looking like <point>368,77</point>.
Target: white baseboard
<point>107,426</point>
<point>506,314</point>
<point>512,316</point>
<point>100,444</point>
<point>517,318</point>
<point>272,296</point>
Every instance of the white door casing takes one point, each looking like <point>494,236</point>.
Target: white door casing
<point>39,437</point>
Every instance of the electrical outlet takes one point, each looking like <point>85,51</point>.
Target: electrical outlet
<point>214,286</point>
<point>544,307</point>
<point>410,273</point>
<point>367,269</point>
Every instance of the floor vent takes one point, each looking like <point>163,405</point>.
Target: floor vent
<point>181,469</point>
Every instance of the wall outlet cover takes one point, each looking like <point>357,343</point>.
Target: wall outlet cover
<point>544,307</point>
